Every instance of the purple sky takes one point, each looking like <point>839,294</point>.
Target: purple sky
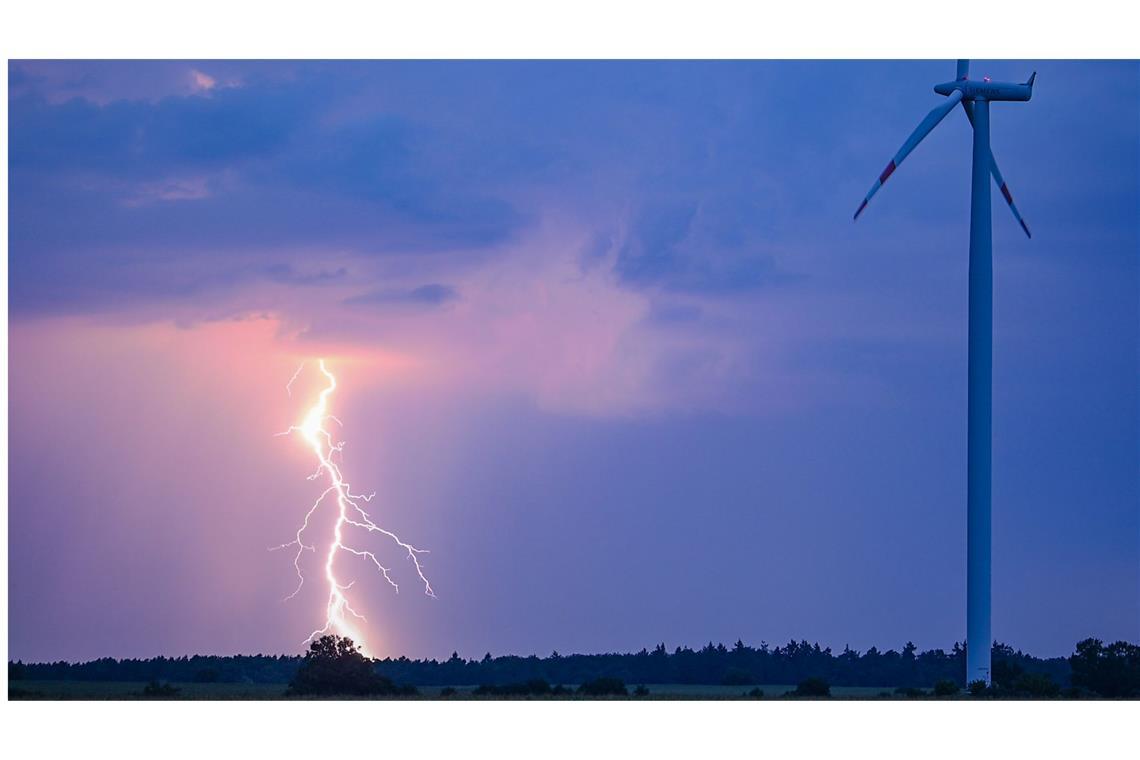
<point>608,345</point>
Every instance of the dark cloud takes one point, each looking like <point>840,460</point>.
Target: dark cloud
<point>707,178</point>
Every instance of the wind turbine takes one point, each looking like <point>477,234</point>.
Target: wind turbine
<point>975,98</point>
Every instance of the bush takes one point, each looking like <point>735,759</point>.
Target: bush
<point>812,687</point>
<point>160,690</point>
<point>603,687</point>
<point>977,688</point>
<point>536,687</point>
<point>946,688</point>
<point>756,693</point>
<point>641,691</point>
<point>909,692</point>
<point>447,691</point>
<point>1038,685</point>
<point>335,666</point>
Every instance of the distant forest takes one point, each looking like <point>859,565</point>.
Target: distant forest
<point>739,664</point>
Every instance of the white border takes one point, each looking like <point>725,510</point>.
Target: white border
<point>523,29</point>
<point>569,28</point>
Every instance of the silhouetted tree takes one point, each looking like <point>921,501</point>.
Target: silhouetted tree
<point>1111,671</point>
<point>335,666</point>
<point>1006,672</point>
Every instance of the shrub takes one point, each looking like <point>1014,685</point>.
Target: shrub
<point>756,693</point>
<point>447,691</point>
<point>977,688</point>
<point>160,690</point>
<point>536,687</point>
<point>603,687</point>
<point>946,688</point>
<point>909,692</point>
<point>812,687</point>
<point>641,691</point>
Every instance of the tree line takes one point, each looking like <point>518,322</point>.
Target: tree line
<point>739,664</point>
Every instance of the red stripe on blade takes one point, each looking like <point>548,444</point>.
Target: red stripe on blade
<point>887,172</point>
<point>1005,192</point>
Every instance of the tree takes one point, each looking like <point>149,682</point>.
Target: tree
<point>1006,672</point>
<point>1111,671</point>
<point>335,666</point>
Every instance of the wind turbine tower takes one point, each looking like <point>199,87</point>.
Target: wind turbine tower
<point>975,98</point>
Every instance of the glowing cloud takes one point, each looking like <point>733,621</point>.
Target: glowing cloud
<point>200,82</point>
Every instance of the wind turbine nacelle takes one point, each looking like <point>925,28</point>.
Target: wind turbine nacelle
<point>985,90</point>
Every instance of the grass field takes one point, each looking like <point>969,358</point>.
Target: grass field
<point>122,690</point>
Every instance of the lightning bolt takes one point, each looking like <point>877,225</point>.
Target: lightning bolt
<point>350,514</point>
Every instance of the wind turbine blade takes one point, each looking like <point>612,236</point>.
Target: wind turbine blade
<point>968,107</point>
<point>963,69</point>
<point>923,129</point>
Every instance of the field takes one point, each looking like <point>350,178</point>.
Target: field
<point>123,690</point>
